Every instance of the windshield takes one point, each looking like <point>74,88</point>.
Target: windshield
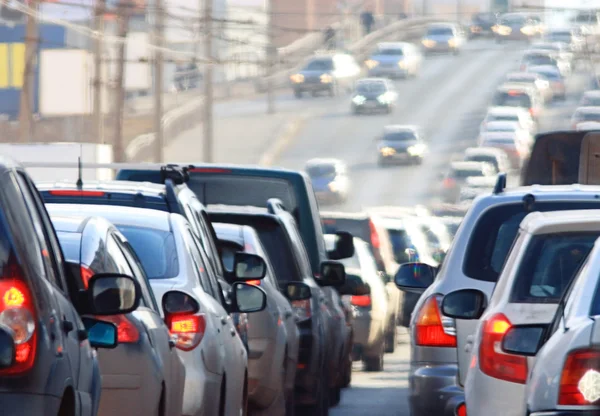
<point>509,99</point>
<point>371,88</point>
<point>390,52</point>
<point>551,75</point>
<point>549,264</point>
<point>319,65</point>
<point>539,60</point>
<point>513,20</point>
<point>319,171</point>
<point>400,136</point>
<point>503,127</point>
<point>156,250</point>
<point>440,31</point>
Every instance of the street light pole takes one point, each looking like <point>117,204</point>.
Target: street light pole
<point>271,51</point>
<point>208,83</point>
<point>26,96</point>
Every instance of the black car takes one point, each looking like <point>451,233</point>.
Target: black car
<point>400,144</point>
<point>327,73</point>
<point>324,351</point>
<point>373,95</point>
<point>481,24</point>
<point>516,26</point>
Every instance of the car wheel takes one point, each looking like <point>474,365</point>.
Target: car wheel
<point>347,378</point>
<point>374,364</point>
<point>335,395</point>
<point>390,339</point>
<point>297,93</point>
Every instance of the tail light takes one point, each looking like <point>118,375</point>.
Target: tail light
<point>580,378</point>
<point>449,183</point>
<point>127,333</point>
<point>253,282</point>
<point>492,360</point>
<point>361,301</point>
<point>532,112</point>
<point>431,329</point>
<point>86,275</point>
<point>461,410</point>
<point>374,235</point>
<point>302,309</point>
<point>188,330</point>
<point>73,192</point>
<point>18,313</point>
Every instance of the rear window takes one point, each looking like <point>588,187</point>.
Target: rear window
<point>156,250</point>
<point>503,118</point>
<point>371,88</point>
<point>482,158</point>
<point>317,171</point>
<point>549,264</point>
<point>494,233</point>
<point>509,99</point>
<point>71,246</point>
<point>539,60</point>
<point>440,31</point>
<point>320,65</point>
<point>583,116</point>
<point>591,101</point>
<point>466,173</point>
<point>358,228</point>
<point>391,52</point>
<point>550,75</point>
<point>502,128</point>
<point>276,244</point>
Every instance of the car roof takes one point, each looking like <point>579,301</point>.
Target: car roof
<point>487,151</point>
<point>467,165</point>
<point>400,128</point>
<point>522,74</point>
<point>238,209</point>
<point>589,110</point>
<point>530,52</point>
<point>118,215</point>
<point>346,215</point>
<point>69,224</point>
<point>506,110</point>
<point>502,122</point>
<point>588,126</point>
<point>8,162</point>
<point>441,24</point>
<point>546,68</point>
<point>592,93</point>
<point>561,221</point>
<point>498,135</point>
<point>129,187</point>
<point>323,161</point>
<point>512,86</point>
<point>481,181</point>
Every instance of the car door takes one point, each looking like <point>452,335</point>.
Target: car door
<point>68,327</point>
<point>174,371</point>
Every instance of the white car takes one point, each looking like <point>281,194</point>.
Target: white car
<point>517,149</point>
<point>554,77</point>
<point>590,99</point>
<point>492,155</point>
<point>546,254</point>
<point>516,114</point>
<point>509,127</point>
<point>584,114</point>
<point>588,126</point>
<point>215,358</point>
<point>532,79</point>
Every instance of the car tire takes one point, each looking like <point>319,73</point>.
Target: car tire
<point>374,364</point>
<point>390,338</point>
<point>347,377</point>
<point>335,396</point>
<point>290,405</point>
<point>297,93</point>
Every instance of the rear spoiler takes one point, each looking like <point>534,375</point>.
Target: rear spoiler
<point>564,158</point>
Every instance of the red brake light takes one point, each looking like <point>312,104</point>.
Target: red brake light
<point>18,314</point>
<point>429,329</point>
<point>362,301</point>
<point>127,333</point>
<point>579,376</point>
<point>449,183</point>
<point>328,221</point>
<point>188,330</point>
<point>532,112</point>
<point>86,275</point>
<point>374,236</point>
<point>73,192</point>
<point>514,93</point>
<point>461,410</point>
<point>492,360</point>
<point>253,282</point>
<point>209,170</point>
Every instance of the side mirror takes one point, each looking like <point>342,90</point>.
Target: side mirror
<point>113,294</point>
<point>524,340</point>
<point>297,291</point>
<point>464,304</point>
<point>414,277</point>
<point>175,302</point>
<point>332,274</point>
<point>344,246</point>
<point>101,334</point>
<point>7,347</point>
<point>246,298</point>
<point>249,266</point>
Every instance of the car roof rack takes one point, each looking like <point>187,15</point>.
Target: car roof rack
<point>274,205</point>
<point>500,184</point>
<point>178,174</point>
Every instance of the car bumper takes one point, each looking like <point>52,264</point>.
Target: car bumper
<point>202,388</point>
<point>566,413</point>
<point>370,106</point>
<point>434,390</point>
<point>388,72</point>
<point>368,337</point>
<point>398,157</point>
<point>307,372</point>
<point>312,87</point>
<point>514,36</point>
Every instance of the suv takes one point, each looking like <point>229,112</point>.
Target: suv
<point>324,339</point>
<point>48,363</point>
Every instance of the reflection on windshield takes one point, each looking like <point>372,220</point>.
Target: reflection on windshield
<point>319,65</point>
<point>371,88</point>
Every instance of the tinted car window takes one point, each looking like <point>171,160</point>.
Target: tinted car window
<point>156,250</point>
<point>400,136</point>
<point>494,233</point>
<point>71,245</point>
<point>483,158</point>
<point>320,65</point>
<point>440,31</point>
<point>320,170</point>
<point>539,60</point>
<point>371,88</point>
<point>278,247</point>
<point>466,173</point>
<point>391,51</point>
<point>581,116</point>
<point>549,264</point>
<point>512,99</point>
<point>591,101</point>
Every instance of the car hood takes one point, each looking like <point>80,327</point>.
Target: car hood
<point>439,38</point>
<point>398,145</point>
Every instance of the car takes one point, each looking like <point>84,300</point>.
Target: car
<point>561,49</point>
<point>588,126</point>
<point>93,246</point>
<point>515,95</point>
<point>498,158</point>
<point>458,174</point>
<point>394,60</point>
<point>273,336</point>
<point>370,305</point>
<point>547,252</point>
<point>585,114</point>
<point>330,180</point>
<point>192,303</point>
<point>324,339</point>
<point>481,24</point>
<point>554,77</point>
<point>443,37</point>
<point>517,114</point>
<point>475,261</point>
<point>373,94</point>
<point>401,143</point>
<point>368,228</point>
<point>532,79</point>
<point>508,127</point>
<point>515,26</point>
<point>517,148</point>
<point>330,73</point>
<point>567,348</point>
<point>536,57</point>
<point>569,36</point>
<point>40,300</point>
<point>590,99</point>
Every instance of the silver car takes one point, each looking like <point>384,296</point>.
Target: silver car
<point>439,360</point>
<point>272,334</point>
<point>549,249</point>
<point>395,60</point>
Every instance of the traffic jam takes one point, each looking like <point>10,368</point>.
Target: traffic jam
<point>221,289</point>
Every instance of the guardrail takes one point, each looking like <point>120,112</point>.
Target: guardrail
<point>186,116</point>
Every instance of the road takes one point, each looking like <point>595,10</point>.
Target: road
<point>448,100</point>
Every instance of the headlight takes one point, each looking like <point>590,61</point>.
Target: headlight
<point>402,64</point>
<point>387,151</point>
<point>452,43</point>
<point>371,63</point>
<point>297,78</point>
<point>359,100</point>
<point>415,150</point>
<point>333,186</point>
<point>383,98</point>
<point>528,30</point>
<point>326,79</point>
<point>503,30</point>
<point>428,43</point>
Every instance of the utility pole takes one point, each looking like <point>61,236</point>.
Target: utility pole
<point>208,82</point>
<point>124,9</point>
<point>98,83</point>
<point>158,81</point>
<point>270,59</point>
<point>26,97</point>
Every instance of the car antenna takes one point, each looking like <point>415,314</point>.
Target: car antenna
<point>79,168</point>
